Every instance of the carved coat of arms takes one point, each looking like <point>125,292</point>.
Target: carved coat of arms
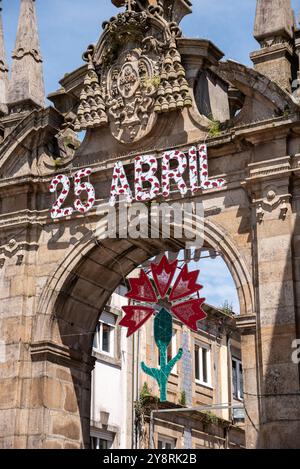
<point>134,74</point>
<point>131,90</point>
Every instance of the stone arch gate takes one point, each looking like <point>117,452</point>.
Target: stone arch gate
<point>52,286</point>
<point>69,310</point>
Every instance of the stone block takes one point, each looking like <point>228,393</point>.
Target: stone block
<point>70,402</point>
<point>8,394</point>
<point>52,444</point>
<point>66,425</point>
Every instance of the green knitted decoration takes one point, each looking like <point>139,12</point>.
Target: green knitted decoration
<point>163,331</point>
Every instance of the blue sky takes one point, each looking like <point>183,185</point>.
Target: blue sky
<point>67,27</point>
<point>218,285</point>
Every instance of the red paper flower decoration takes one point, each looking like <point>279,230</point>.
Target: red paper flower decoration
<point>141,290</point>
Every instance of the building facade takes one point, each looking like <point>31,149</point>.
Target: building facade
<point>57,271</point>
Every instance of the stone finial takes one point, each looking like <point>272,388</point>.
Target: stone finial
<point>174,10</point>
<point>274,30</point>
<point>27,82</point>
<point>91,111</point>
<point>274,18</point>
<point>3,67</point>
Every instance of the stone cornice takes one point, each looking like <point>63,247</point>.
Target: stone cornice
<point>62,355</point>
<point>246,323</point>
<point>273,52</point>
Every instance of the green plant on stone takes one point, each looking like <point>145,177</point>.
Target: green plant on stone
<point>227,308</point>
<point>215,127</point>
<point>145,391</point>
<point>182,400</point>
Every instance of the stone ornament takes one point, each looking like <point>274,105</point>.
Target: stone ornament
<point>134,73</point>
<point>274,198</point>
<point>91,111</point>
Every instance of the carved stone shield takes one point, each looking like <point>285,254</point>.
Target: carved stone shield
<point>134,74</point>
<point>131,91</point>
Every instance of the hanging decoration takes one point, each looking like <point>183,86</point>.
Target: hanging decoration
<point>120,185</point>
<point>146,176</point>
<point>173,296</point>
<point>180,172</point>
<point>57,210</point>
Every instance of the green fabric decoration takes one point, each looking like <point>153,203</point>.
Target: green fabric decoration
<point>163,332</point>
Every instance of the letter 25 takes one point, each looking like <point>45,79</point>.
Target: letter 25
<point>57,210</point>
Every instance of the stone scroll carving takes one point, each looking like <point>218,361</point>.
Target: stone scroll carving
<point>134,73</point>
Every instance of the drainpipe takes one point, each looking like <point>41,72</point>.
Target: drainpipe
<point>137,383</point>
<point>133,395</point>
<point>229,368</point>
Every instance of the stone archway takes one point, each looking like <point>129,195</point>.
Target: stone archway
<point>50,286</point>
<point>69,309</point>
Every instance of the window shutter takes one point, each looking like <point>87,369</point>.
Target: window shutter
<point>108,318</point>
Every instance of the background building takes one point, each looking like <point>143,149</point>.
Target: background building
<point>125,408</point>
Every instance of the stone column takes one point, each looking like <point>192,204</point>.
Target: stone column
<point>278,380</point>
<point>58,401</point>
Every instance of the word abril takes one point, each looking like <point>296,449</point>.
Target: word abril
<point>198,176</point>
<point>145,168</point>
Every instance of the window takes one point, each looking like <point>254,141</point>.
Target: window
<point>237,379</point>
<point>100,443</point>
<point>105,333</point>
<point>203,364</point>
<point>101,439</point>
<point>166,443</point>
<point>171,352</point>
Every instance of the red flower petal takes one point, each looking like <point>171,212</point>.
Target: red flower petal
<point>185,285</point>
<point>135,317</point>
<point>190,312</point>
<point>141,289</point>
<point>163,274</point>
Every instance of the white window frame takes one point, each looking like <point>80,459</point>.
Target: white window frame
<point>201,381</point>
<point>237,365</point>
<point>166,440</point>
<point>99,336</point>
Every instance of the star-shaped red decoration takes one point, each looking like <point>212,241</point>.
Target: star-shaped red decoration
<point>141,290</point>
